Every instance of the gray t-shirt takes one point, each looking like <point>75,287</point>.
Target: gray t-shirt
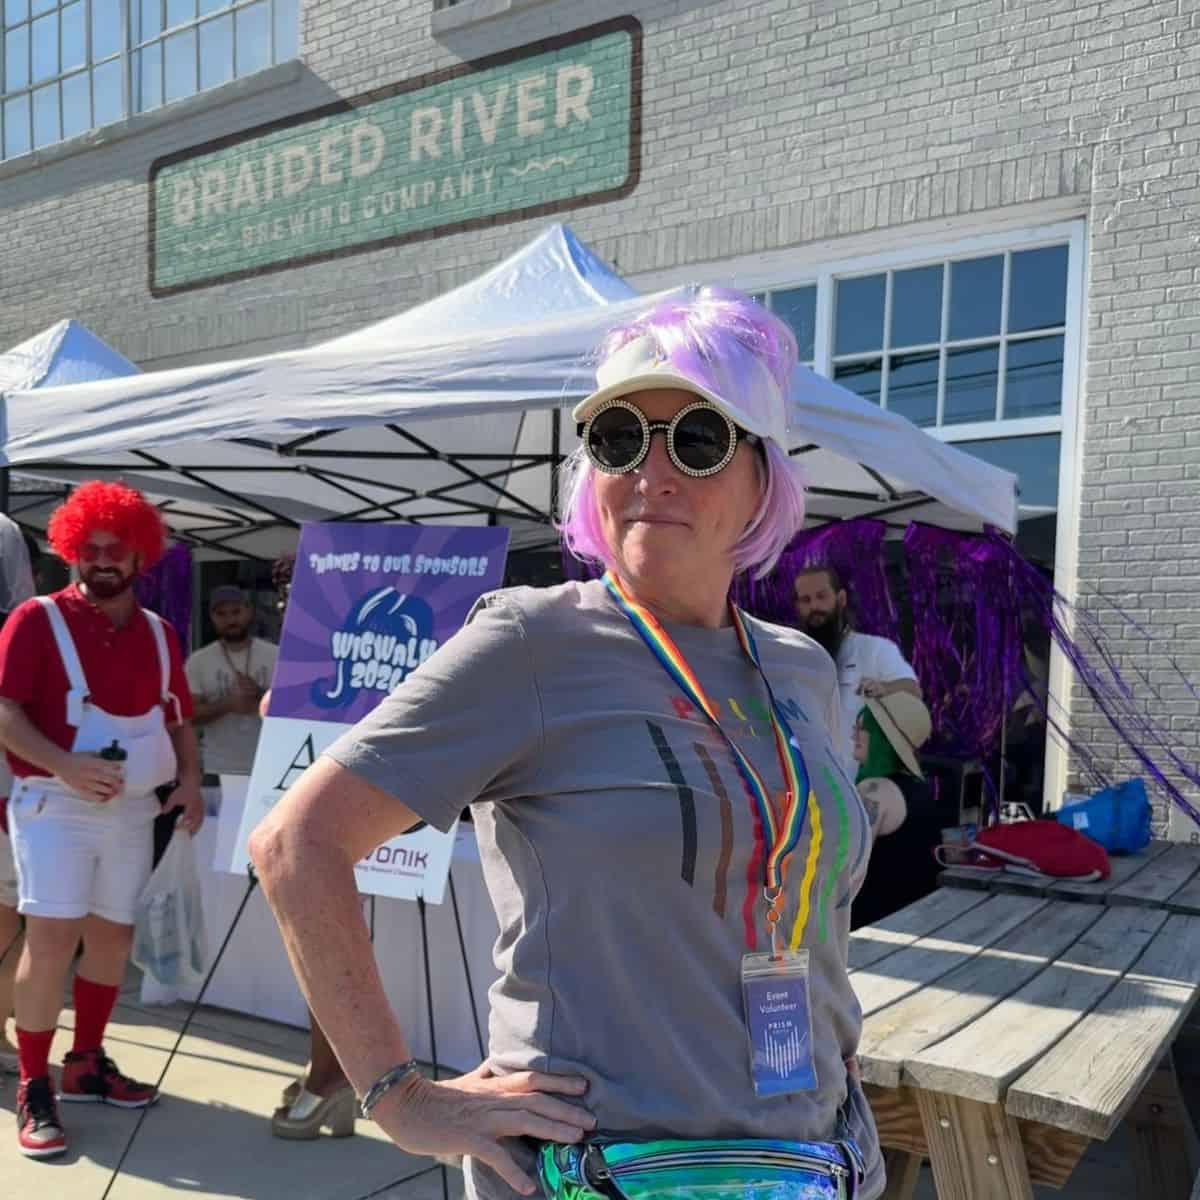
<point>619,847</point>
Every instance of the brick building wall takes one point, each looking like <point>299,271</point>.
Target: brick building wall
<point>766,127</point>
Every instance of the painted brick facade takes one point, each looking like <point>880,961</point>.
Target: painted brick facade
<point>765,126</point>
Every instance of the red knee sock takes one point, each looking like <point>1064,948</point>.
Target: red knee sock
<point>33,1052</point>
<point>93,1006</point>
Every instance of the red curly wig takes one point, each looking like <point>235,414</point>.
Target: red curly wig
<point>114,508</point>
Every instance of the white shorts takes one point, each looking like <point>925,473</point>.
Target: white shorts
<point>8,873</point>
<point>75,857</point>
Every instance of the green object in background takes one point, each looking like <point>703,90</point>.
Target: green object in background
<point>881,760</point>
<point>519,135</point>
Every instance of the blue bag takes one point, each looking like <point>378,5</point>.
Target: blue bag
<point>1117,817</point>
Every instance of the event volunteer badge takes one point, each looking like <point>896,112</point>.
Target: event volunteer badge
<point>779,1022</point>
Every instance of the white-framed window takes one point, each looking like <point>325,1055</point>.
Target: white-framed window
<point>961,341</point>
<point>67,66</point>
<point>974,339</point>
<point>798,307</point>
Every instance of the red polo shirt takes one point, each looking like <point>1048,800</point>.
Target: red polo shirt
<point>120,666</point>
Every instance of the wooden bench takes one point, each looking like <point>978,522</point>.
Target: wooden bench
<point>1004,1032</point>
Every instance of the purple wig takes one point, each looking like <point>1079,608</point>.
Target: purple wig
<point>716,325</point>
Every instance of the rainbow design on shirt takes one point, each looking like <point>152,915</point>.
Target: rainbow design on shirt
<point>782,829</point>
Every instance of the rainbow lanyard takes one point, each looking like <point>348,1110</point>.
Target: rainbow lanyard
<point>782,829</point>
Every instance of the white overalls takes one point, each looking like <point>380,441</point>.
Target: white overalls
<point>77,856</point>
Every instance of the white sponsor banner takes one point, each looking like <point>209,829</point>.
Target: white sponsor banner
<point>414,865</point>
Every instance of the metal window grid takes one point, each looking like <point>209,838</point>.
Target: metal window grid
<point>944,345</point>
<point>132,53</point>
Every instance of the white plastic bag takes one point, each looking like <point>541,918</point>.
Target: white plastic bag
<point>168,930</point>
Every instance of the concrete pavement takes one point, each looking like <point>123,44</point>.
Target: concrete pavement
<point>208,1137</point>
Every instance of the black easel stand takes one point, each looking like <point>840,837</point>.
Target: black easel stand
<point>237,916</point>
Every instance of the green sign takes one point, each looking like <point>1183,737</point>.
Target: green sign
<point>523,134</point>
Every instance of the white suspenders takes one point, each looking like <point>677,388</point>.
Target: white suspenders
<point>77,692</point>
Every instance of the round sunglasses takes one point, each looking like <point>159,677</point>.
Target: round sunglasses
<point>701,440</point>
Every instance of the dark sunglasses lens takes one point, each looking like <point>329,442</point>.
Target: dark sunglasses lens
<point>615,438</point>
<point>702,439</point>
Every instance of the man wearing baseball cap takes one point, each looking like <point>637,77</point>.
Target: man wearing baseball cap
<point>95,715</point>
<point>228,678</point>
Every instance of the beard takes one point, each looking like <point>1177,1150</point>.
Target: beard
<point>235,637</point>
<point>106,584</point>
<point>827,629</point>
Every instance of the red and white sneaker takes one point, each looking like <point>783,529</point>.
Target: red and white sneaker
<point>39,1131</point>
<point>91,1077</point>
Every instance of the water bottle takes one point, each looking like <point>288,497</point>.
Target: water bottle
<point>114,753</point>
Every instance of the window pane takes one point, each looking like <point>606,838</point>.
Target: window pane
<point>46,129</point>
<point>45,47</point>
<point>1033,377</point>
<point>913,386</point>
<point>16,59</point>
<point>917,307</point>
<point>106,28</point>
<point>859,314</point>
<point>16,127</point>
<point>147,19</point>
<point>211,6</point>
<point>76,105</point>
<point>15,10</point>
<point>179,11</point>
<point>216,52</point>
<point>147,77</point>
<point>798,307</point>
<point>861,377</point>
<point>1037,289</point>
<point>42,6</point>
<point>971,385</point>
<point>253,37</point>
<point>287,31</point>
<point>181,65</point>
<point>975,297</point>
<point>106,92</point>
<point>1033,460</point>
<point>74,50</point>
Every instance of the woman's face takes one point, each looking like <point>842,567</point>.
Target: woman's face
<point>862,741</point>
<point>662,526</point>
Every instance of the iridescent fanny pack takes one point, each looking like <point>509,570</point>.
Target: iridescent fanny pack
<point>716,1169</point>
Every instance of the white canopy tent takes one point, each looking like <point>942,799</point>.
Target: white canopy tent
<point>449,412</point>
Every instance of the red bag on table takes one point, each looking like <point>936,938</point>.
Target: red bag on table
<point>1042,848</point>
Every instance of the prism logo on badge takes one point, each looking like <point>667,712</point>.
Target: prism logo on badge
<point>386,635</point>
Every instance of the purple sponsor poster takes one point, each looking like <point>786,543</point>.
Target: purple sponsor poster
<point>368,604</point>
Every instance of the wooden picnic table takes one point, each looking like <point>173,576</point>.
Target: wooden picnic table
<point>1008,1022</point>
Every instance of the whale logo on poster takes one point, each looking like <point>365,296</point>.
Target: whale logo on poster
<point>385,636</point>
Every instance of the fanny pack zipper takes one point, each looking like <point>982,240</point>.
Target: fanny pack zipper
<point>666,1159</point>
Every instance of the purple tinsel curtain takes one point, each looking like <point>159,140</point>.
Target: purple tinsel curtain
<point>167,590</point>
<point>855,550</point>
<point>1120,694</point>
<point>966,636</point>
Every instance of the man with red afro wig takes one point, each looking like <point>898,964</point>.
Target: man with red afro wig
<point>95,714</point>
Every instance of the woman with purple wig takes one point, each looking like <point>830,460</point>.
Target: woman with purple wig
<point>666,832</point>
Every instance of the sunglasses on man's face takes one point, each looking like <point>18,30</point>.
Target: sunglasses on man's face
<point>114,552</point>
<point>701,440</point>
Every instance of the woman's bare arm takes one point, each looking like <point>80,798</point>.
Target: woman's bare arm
<point>304,852</point>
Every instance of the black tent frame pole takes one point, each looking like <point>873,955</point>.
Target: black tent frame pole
<point>433,1050</point>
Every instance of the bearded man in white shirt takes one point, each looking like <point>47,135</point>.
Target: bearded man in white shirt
<point>867,666</point>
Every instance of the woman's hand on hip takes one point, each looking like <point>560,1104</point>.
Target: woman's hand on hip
<point>473,1113</point>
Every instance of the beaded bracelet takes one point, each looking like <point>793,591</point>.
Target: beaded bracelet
<point>384,1084</point>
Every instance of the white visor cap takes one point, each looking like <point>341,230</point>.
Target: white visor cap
<point>741,386</point>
